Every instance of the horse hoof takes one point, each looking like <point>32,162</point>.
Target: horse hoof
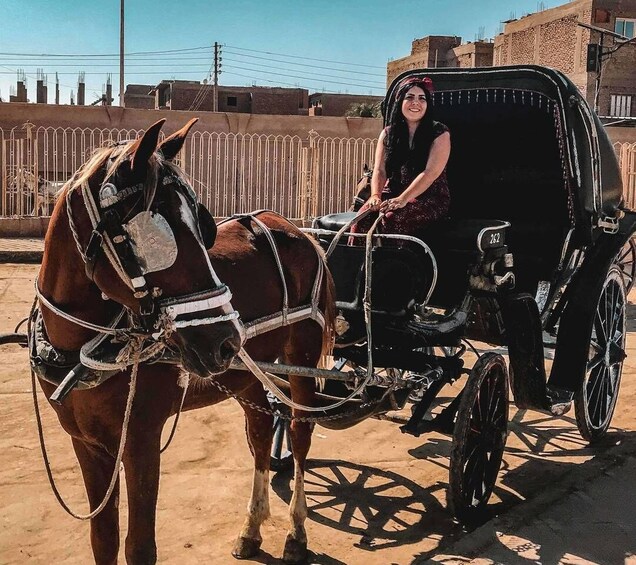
<point>244,548</point>
<point>295,551</point>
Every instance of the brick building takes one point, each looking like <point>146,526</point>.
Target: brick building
<point>192,95</point>
<point>329,104</point>
<point>441,51</point>
<point>552,38</point>
<point>139,96</point>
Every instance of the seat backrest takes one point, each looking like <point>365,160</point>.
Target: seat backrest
<point>401,277</point>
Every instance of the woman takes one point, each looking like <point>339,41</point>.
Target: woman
<point>409,183</point>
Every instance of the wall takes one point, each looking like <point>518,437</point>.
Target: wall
<point>49,115</point>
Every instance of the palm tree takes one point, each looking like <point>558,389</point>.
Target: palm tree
<point>364,110</point>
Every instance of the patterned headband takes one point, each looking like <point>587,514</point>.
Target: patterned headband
<point>423,82</point>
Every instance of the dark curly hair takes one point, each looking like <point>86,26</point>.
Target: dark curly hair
<point>396,141</point>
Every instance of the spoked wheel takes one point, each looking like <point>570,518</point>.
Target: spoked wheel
<point>626,261</point>
<point>595,401</point>
<point>479,438</point>
<point>281,458</point>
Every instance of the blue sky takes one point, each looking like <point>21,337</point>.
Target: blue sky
<point>322,45</point>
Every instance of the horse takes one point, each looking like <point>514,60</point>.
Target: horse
<point>28,193</point>
<point>363,189</point>
<point>128,241</point>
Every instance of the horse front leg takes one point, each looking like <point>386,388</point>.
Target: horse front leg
<point>259,429</point>
<point>296,542</point>
<point>303,350</point>
<point>142,464</point>
<point>97,469</point>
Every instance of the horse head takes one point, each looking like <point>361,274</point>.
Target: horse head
<point>144,239</point>
<point>363,189</point>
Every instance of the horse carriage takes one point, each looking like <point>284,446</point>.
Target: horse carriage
<point>533,257</point>
<point>137,283</point>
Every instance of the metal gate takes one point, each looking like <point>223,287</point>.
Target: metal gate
<point>297,176</point>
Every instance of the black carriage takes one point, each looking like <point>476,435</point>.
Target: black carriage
<point>526,260</point>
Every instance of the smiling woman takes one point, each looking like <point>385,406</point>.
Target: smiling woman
<point>409,186</point>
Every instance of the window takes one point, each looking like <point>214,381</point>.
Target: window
<point>625,27</point>
<point>231,101</point>
<point>621,105</point>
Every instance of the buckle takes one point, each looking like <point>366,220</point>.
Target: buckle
<point>609,224</point>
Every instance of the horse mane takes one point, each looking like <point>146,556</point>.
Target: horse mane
<point>117,153</point>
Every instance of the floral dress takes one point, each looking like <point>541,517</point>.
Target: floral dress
<point>429,206</point>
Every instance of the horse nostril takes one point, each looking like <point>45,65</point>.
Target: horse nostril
<point>228,349</point>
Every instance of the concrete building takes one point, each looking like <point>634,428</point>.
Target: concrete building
<point>553,38</point>
<point>139,96</point>
<point>329,104</point>
<point>441,51</point>
<point>195,96</point>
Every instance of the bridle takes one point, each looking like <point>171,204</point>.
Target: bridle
<point>117,239</point>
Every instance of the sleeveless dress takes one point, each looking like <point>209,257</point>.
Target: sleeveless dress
<point>429,206</point>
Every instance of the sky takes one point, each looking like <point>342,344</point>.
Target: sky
<point>321,45</point>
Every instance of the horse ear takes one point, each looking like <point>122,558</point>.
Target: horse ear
<point>173,144</point>
<point>145,147</point>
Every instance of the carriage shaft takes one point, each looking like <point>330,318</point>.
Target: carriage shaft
<point>298,370</point>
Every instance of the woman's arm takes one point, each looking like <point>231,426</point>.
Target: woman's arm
<point>437,160</point>
<point>378,177</point>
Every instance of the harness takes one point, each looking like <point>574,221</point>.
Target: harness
<point>142,245</point>
<point>286,315</point>
<point>109,351</point>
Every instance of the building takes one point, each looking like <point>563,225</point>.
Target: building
<point>554,38</point>
<point>196,96</point>
<point>329,104</point>
<point>139,96</point>
<point>441,51</point>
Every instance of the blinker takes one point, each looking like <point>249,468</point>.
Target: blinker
<point>153,241</point>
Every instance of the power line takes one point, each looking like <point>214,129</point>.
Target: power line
<point>304,64</point>
<point>305,77</point>
<point>305,58</point>
<point>98,55</point>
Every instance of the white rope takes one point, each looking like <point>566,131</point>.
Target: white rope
<point>88,325</point>
<point>120,451</point>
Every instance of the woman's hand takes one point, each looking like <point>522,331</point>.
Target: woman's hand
<point>392,204</point>
<point>373,203</point>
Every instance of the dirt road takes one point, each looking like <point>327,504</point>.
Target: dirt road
<point>375,496</point>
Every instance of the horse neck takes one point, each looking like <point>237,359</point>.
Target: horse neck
<point>63,281</point>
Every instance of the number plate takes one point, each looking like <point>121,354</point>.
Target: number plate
<point>492,237</point>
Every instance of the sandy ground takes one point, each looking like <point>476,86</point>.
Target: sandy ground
<point>375,496</point>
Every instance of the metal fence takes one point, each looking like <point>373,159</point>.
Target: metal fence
<point>299,177</point>
<point>627,158</point>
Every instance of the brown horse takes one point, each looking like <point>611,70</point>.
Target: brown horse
<point>363,189</point>
<point>182,305</point>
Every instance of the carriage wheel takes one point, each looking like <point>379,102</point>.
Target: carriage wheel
<point>626,260</point>
<point>281,457</point>
<point>479,437</point>
<point>595,401</point>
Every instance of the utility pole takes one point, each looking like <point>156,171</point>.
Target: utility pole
<point>121,54</point>
<point>217,72</point>
<point>596,54</point>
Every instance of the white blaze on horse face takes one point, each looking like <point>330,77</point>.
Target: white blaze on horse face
<point>190,221</point>
<point>257,507</point>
